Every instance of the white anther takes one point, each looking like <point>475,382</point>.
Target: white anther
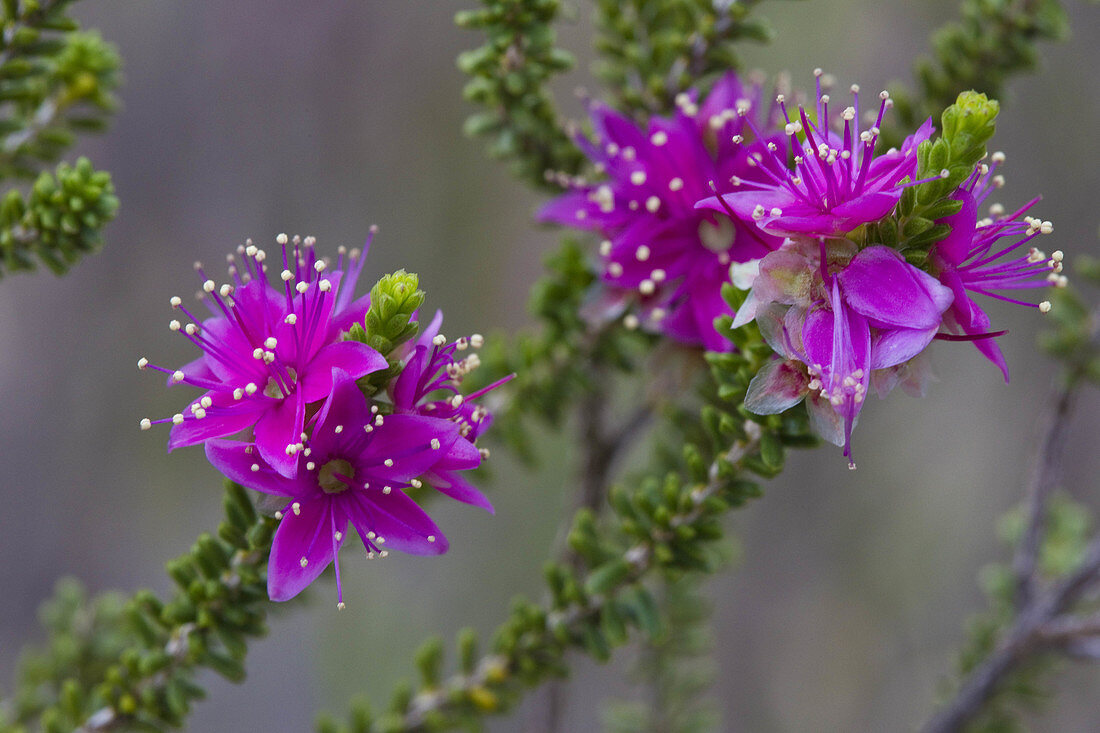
<point>303,562</point>
<point>338,535</point>
<point>251,388</point>
<point>776,211</point>
<point>296,508</point>
<point>439,339</point>
<point>291,319</point>
<point>310,465</point>
<point>416,483</point>
<point>477,340</point>
<point>325,286</point>
<point>659,138</point>
<point>657,275</point>
<point>191,329</point>
<point>652,204</point>
<point>301,287</point>
<point>431,538</point>
<point>642,253</point>
<point>647,287</point>
<point>177,376</point>
<point>1045,307</point>
<point>286,275</point>
<point>630,322</point>
<point>1046,227</point>
<point>146,423</point>
<point>338,429</point>
<point>605,248</point>
<point>997,157</point>
<point>173,325</point>
<point>435,444</point>
<point>255,467</point>
<point>278,515</point>
<point>456,401</point>
<point>143,362</point>
<point>386,490</point>
<point>226,290</point>
<point>258,353</point>
<point>758,212</point>
<point>1057,255</point>
<point>657,315</point>
<point>637,178</point>
<point>614,269</point>
<point>175,301</point>
<point>676,184</point>
<point>177,419</point>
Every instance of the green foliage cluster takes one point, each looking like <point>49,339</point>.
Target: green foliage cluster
<point>948,161</point>
<point>652,51</point>
<point>55,82</point>
<point>61,218</point>
<point>509,76</point>
<point>994,40</point>
<point>394,301</point>
<point>130,665</point>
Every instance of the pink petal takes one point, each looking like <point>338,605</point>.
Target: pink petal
<point>354,358</point>
<point>279,427</point>
<point>225,416</point>
<point>236,460</point>
<point>778,386</point>
<point>307,534</point>
<point>882,286</point>
<point>451,484</point>
<point>399,520</point>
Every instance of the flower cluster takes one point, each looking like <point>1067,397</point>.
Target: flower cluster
<point>660,252</point>
<point>777,200</point>
<point>845,317</point>
<point>277,362</point>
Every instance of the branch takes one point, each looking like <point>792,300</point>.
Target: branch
<point>1037,628</point>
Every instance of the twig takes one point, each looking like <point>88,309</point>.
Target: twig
<point>600,450</point>
<point>1044,478</point>
<point>1037,627</point>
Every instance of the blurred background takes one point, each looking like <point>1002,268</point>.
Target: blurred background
<point>249,118</point>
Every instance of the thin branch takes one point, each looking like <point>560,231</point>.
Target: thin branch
<point>1031,632</point>
<point>1044,478</point>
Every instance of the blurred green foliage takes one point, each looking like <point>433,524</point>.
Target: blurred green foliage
<point>55,82</point>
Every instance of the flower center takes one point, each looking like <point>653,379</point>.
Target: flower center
<point>717,237</point>
<point>334,476</point>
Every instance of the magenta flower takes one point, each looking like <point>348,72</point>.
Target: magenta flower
<point>269,351</point>
<point>839,318</point>
<point>428,385</point>
<point>660,251</point>
<point>356,462</point>
<point>837,182</point>
<point>972,259</point>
